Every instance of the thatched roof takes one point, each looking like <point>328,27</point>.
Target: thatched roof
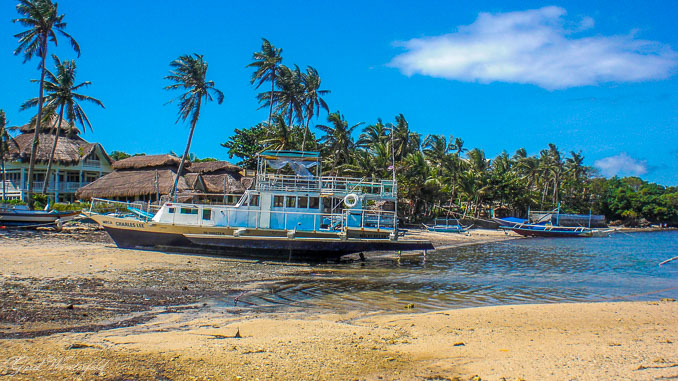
<point>223,183</point>
<point>149,161</point>
<point>132,182</point>
<point>50,124</point>
<point>214,166</point>
<point>70,149</point>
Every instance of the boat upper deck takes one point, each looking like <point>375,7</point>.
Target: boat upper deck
<point>326,185</point>
<point>303,180</point>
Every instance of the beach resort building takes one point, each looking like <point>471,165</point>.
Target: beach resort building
<point>77,162</point>
<point>150,178</point>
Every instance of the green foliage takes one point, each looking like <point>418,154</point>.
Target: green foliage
<point>71,206</point>
<point>13,202</point>
<point>40,200</point>
<point>119,155</point>
<point>630,199</point>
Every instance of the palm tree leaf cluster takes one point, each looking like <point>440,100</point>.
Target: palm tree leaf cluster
<point>295,95</point>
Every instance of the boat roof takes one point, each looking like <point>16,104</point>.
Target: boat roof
<point>299,155</point>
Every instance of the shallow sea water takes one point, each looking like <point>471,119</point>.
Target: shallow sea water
<point>624,266</point>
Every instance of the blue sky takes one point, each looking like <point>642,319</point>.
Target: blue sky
<point>595,76</point>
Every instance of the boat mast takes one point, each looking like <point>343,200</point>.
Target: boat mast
<point>395,187</point>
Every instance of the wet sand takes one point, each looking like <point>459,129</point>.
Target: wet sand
<point>74,306</point>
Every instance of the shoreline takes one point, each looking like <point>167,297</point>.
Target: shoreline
<point>74,305</point>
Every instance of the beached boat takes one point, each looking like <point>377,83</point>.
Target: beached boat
<point>20,215</point>
<point>447,225</point>
<point>290,213</point>
<point>547,224</point>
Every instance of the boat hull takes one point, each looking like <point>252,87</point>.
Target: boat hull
<point>558,232</point>
<point>319,246</point>
<point>23,218</point>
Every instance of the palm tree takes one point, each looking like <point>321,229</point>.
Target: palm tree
<point>61,94</point>
<point>280,135</point>
<point>373,134</point>
<point>312,97</point>
<point>436,149</point>
<point>188,72</point>
<point>42,20</point>
<point>266,63</point>
<point>337,139</point>
<point>4,148</point>
<point>401,137</point>
<point>289,97</point>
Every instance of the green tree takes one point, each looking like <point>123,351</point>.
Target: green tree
<point>189,72</point>
<point>266,63</point>
<point>61,94</point>
<point>43,21</point>
<point>246,144</point>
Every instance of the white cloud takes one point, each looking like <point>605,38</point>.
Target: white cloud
<point>621,164</point>
<point>538,47</point>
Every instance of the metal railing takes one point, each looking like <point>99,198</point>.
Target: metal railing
<point>62,186</point>
<point>324,184</point>
<point>140,210</point>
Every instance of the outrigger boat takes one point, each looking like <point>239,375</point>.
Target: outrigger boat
<point>20,215</point>
<point>447,225</point>
<point>547,224</point>
<point>548,230</point>
<point>297,215</point>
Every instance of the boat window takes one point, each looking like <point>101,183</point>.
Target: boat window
<point>189,211</point>
<point>171,210</point>
<point>291,201</point>
<point>314,203</point>
<point>278,201</point>
<point>207,214</point>
<point>254,200</point>
<point>303,202</point>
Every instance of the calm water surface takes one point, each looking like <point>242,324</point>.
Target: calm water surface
<point>536,270</point>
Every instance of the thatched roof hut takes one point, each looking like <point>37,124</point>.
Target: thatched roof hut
<point>137,176</point>
<point>49,126</point>
<point>70,149</point>
<point>220,177</point>
<point>214,166</point>
<point>133,183</point>
<point>149,161</point>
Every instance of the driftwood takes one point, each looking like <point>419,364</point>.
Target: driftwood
<point>668,260</point>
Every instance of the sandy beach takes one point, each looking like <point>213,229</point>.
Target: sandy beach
<point>75,307</point>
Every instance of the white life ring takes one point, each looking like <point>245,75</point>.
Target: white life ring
<point>351,200</point>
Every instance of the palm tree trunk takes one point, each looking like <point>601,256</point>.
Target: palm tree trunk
<point>36,134</point>
<point>188,148</point>
<point>303,143</point>
<point>2,162</point>
<point>51,155</point>
<point>270,111</point>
